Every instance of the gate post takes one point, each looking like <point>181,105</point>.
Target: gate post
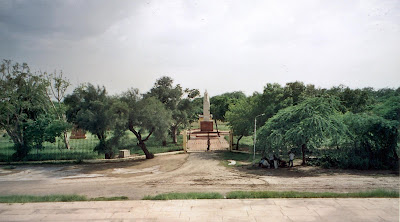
<point>230,140</point>
<point>184,143</point>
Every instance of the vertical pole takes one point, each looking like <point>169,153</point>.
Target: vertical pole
<point>208,141</point>
<point>255,128</point>
<point>231,140</point>
<point>184,143</point>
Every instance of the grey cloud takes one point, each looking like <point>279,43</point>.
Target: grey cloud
<point>71,19</point>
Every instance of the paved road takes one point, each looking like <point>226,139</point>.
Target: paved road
<point>375,209</point>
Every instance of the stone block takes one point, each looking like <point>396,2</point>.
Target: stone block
<point>124,153</point>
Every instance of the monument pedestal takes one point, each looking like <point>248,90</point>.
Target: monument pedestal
<point>77,133</point>
<point>206,126</point>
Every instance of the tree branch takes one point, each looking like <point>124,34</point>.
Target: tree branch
<point>138,136</point>
<point>151,131</point>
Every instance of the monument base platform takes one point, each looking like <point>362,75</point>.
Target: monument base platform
<point>77,133</point>
<point>206,126</point>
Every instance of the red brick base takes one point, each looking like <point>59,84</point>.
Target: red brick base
<point>206,126</point>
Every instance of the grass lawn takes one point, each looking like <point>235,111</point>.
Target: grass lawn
<point>294,194</point>
<point>183,196</point>
<point>274,194</point>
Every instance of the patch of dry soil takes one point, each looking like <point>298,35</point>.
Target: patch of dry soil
<point>195,172</point>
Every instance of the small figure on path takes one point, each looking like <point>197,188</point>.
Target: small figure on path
<point>291,158</point>
<point>271,158</point>
<point>264,163</point>
<point>208,143</point>
<point>275,161</point>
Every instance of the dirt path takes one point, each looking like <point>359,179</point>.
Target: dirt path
<point>195,172</point>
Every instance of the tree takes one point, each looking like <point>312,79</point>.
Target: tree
<point>295,91</point>
<point>57,87</point>
<point>273,99</point>
<point>389,108</point>
<point>220,104</point>
<point>306,125</point>
<point>174,100</point>
<point>356,101</point>
<point>91,109</point>
<point>239,117</point>
<point>372,141</point>
<point>23,109</point>
<point>146,115</point>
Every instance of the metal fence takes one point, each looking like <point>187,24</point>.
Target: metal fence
<point>80,149</point>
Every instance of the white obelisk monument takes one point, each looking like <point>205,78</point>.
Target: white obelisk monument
<point>206,107</point>
<point>206,124</point>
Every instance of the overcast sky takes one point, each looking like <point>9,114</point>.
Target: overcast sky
<point>221,46</point>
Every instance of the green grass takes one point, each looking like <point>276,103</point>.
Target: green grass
<point>245,143</point>
<point>274,194</point>
<point>184,196</point>
<point>109,198</point>
<point>48,198</point>
<point>380,193</point>
<point>54,198</point>
<point>245,158</point>
<point>294,194</point>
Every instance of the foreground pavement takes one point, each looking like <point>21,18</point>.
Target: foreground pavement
<point>374,209</point>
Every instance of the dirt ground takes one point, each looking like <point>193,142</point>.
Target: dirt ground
<point>194,172</point>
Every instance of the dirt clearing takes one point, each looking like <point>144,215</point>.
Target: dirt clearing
<point>194,172</point>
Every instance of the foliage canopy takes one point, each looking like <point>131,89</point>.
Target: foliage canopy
<point>309,123</point>
<point>24,109</point>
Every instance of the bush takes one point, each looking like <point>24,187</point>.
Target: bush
<point>347,160</point>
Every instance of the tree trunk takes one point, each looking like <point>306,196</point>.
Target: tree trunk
<point>145,150</point>
<point>66,140</point>
<point>173,132</point>
<point>164,143</point>
<point>237,143</point>
<point>141,143</point>
<point>303,150</point>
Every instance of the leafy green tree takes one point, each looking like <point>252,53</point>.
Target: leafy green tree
<point>197,109</point>
<point>356,100</point>
<point>306,125</point>
<point>353,100</point>
<point>389,109</point>
<point>177,100</point>
<point>146,115</point>
<point>23,109</point>
<point>57,87</point>
<point>294,90</point>
<point>240,116</point>
<point>219,105</point>
<point>385,93</point>
<point>372,142</point>
<point>273,99</point>
<point>91,109</point>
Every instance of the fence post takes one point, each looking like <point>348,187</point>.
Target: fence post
<point>230,139</point>
<point>184,143</point>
